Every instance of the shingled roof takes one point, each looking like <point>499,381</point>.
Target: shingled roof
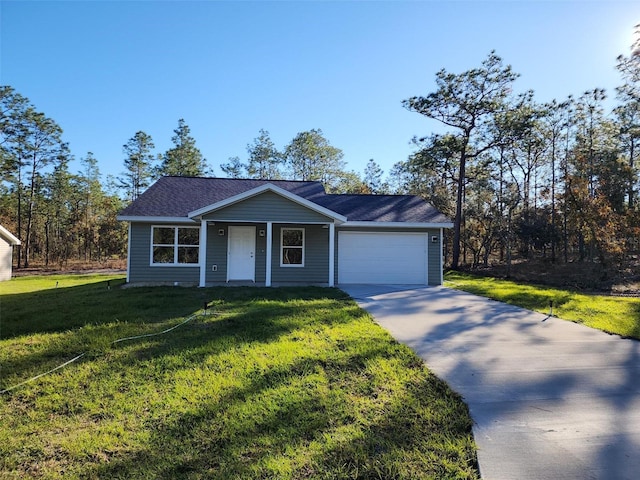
<point>178,196</point>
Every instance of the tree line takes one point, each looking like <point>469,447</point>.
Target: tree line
<point>519,178</point>
<point>58,215</point>
<point>555,180</point>
<point>309,157</point>
<point>61,215</point>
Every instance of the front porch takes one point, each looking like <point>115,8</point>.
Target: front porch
<point>266,253</point>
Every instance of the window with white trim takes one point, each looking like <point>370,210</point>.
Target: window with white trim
<point>175,245</point>
<point>292,247</point>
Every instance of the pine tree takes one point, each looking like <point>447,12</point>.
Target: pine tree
<point>234,168</point>
<point>264,159</point>
<point>468,102</point>
<point>138,164</point>
<point>311,157</point>
<point>184,159</point>
<point>373,177</point>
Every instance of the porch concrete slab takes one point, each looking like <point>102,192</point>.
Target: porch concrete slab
<point>550,399</point>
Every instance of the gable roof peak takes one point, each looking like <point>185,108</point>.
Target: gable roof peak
<point>269,187</point>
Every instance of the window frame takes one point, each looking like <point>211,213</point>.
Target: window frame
<point>282,247</point>
<point>175,245</point>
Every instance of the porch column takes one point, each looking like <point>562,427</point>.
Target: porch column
<point>203,252</point>
<point>268,248</point>
<point>332,259</point>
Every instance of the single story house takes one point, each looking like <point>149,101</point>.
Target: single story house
<point>210,231</point>
<point>7,242</point>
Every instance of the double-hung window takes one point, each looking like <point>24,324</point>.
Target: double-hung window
<point>292,247</point>
<point>175,245</point>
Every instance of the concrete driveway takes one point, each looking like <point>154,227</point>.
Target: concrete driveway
<point>550,399</point>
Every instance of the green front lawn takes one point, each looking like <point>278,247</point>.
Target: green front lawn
<point>279,383</point>
<point>618,315</point>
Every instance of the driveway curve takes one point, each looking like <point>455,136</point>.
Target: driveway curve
<point>550,399</point>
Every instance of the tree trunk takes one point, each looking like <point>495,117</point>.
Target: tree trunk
<point>553,199</point>
<point>46,245</point>
<point>565,215</point>
<point>457,222</point>
<point>19,193</point>
<point>631,183</point>
<point>509,245</point>
<point>32,201</point>
<point>27,242</point>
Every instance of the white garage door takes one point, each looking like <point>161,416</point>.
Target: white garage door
<point>391,258</point>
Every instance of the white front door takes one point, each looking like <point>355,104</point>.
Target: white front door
<point>241,256</point>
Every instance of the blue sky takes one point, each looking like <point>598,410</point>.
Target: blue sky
<point>107,69</point>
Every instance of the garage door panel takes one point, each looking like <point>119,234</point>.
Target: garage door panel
<point>399,258</point>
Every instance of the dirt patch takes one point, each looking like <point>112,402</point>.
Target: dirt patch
<point>582,276</point>
<point>35,271</point>
<point>111,267</point>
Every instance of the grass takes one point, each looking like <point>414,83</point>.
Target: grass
<point>288,383</point>
<point>616,315</point>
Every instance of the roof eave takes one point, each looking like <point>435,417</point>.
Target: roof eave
<point>397,224</point>
<point>154,219</point>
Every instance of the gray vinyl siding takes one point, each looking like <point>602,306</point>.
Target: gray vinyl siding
<point>261,253</point>
<point>316,263</point>
<point>217,251</point>
<point>267,207</point>
<point>140,270</point>
<point>433,249</point>
<point>316,256</point>
<point>433,258</point>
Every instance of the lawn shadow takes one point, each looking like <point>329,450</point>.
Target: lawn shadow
<point>89,318</point>
<point>283,411</point>
<point>277,411</point>
<point>63,309</point>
